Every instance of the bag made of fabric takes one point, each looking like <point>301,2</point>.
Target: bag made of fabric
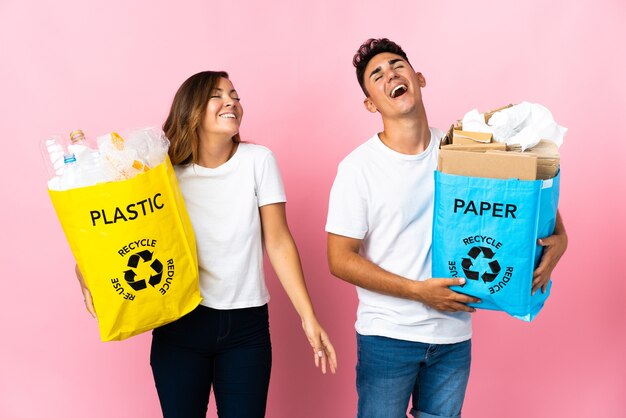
<point>486,231</point>
<point>135,247</point>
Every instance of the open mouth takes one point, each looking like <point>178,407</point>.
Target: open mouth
<point>228,116</point>
<point>398,91</point>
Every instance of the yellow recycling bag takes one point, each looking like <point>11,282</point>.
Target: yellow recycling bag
<point>135,247</point>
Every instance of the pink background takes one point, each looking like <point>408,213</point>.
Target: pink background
<point>112,65</point>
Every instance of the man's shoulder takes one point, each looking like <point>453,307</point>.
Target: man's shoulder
<point>373,149</point>
<point>361,154</point>
<point>436,134</point>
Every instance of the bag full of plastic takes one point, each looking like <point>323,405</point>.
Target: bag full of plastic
<point>121,210</point>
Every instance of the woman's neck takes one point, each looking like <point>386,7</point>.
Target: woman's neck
<point>214,152</point>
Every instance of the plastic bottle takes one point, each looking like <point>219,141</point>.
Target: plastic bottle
<point>53,152</point>
<point>70,178</point>
<point>79,146</point>
<point>81,164</point>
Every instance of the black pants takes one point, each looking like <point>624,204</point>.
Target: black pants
<point>227,349</point>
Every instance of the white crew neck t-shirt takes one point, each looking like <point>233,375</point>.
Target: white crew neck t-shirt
<point>385,199</point>
<point>223,205</point>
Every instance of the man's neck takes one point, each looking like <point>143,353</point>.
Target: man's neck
<point>408,135</point>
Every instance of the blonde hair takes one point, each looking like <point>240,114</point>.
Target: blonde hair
<point>188,108</point>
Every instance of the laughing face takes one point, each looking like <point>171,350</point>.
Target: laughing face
<point>394,87</point>
<point>223,112</point>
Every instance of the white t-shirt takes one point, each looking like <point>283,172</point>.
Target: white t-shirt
<point>223,205</point>
<point>385,199</point>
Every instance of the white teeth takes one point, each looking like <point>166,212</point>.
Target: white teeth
<point>398,89</point>
<point>228,116</point>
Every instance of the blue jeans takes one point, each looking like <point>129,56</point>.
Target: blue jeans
<point>229,350</point>
<point>391,371</point>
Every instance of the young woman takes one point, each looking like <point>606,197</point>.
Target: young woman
<point>235,198</point>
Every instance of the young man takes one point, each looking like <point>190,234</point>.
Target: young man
<point>413,332</point>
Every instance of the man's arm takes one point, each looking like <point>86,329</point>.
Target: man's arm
<point>347,264</point>
<point>554,247</point>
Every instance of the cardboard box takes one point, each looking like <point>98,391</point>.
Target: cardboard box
<point>475,147</point>
<point>474,154</point>
<point>489,164</point>
<point>458,126</point>
<point>460,137</point>
<point>548,159</point>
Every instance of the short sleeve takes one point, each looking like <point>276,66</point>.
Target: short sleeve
<point>269,184</point>
<point>347,207</point>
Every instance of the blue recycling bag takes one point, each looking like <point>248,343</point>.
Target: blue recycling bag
<point>486,231</point>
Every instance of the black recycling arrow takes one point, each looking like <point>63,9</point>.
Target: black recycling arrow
<point>487,253</point>
<point>155,279</point>
<point>495,269</point>
<point>129,276</point>
<point>473,252</point>
<point>145,255</point>
<point>133,261</point>
<point>157,266</point>
<point>158,269</point>
<point>466,264</point>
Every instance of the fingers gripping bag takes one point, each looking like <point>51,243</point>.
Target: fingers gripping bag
<point>126,223</point>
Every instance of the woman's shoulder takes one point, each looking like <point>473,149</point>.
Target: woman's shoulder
<point>255,151</point>
<point>181,169</point>
<point>256,148</point>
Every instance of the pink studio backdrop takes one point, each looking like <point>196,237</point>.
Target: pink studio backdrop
<point>112,65</point>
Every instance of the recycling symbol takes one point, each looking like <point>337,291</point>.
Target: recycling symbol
<point>133,261</point>
<point>468,264</point>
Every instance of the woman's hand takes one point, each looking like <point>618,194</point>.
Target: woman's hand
<point>283,254</point>
<point>323,350</point>
<point>86,293</point>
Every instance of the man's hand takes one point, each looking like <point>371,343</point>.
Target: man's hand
<point>436,293</point>
<point>554,247</point>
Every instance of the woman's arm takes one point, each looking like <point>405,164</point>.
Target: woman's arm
<point>283,254</point>
<point>86,293</point>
